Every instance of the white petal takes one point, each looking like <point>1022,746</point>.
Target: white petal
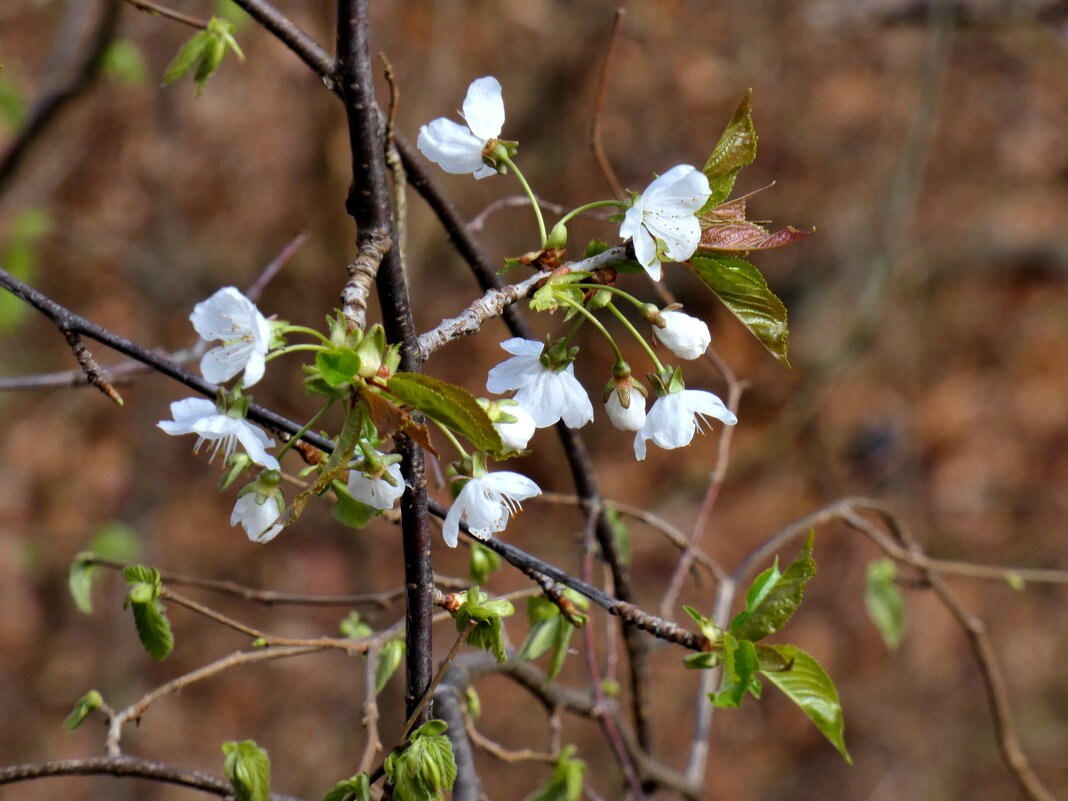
<point>518,346</point>
<point>225,315</point>
<point>680,235</point>
<point>577,409</point>
<point>685,336</point>
<point>484,108</point>
<point>450,531</point>
<point>542,396</point>
<point>376,492</point>
<point>451,146</point>
<point>514,485</point>
<point>629,419</point>
<point>255,443</point>
<point>513,373</point>
<point>515,436</point>
<point>187,412</point>
<point>256,518</point>
<point>706,403</point>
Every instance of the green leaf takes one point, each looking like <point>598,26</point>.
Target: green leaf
<point>707,625</point>
<point>153,628</point>
<point>353,627</point>
<point>187,56</point>
<point>348,511</point>
<point>452,406</point>
<point>703,660</point>
<point>808,685</point>
<point>84,706</point>
<point>389,659</point>
<point>248,768</point>
<point>136,574</point>
<point>426,768</point>
<point>566,781</point>
<point>19,257</point>
<point>885,604</point>
<point>737,148</point>
<point>775,601</point>
<point>358,788</point>
<point>488,633</point>
<point>1015,581</point>
<point>473,702</point>
<point>561,640</point>
<point>122,61</point>
<point>740,666</point>
<point>339,366</point>
<point>80,582</point>
<point>742,289</point>
<point>483,562</point>
<point>620,534</point>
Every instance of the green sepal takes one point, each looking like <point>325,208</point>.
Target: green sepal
<point>807,684</point>
<point>558,290</point>
<point>82,709</point>
<point>426,768</point>
<point>707,625</point>
<point>742,289</point>
<point>248,768</point>
<point>740,666</point>
<point>452,406</point>
<point>774,597</point>
<point>389,659</point>
<point>883,599</point>
<point>358,788</point>
<point>566,782</point>
<point>737,148</point>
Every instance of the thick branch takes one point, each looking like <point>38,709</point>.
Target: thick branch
<point>370,206</point>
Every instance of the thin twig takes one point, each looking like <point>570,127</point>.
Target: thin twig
<point>290,34</point>
<point>93,374</point>
<point>370,711</point>
<point>715,484</point>
<point>161,11</point>
<point>498,751</point>
<point>598,109</point>
<point>125,767</point>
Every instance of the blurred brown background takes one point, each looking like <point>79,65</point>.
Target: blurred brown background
<point>929,148</point>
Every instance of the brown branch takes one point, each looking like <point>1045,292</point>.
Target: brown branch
<point>161,11</point>
<point>498,751</point>
<point>598,109</point>
<point>370,711</point>
<point>125,767</point>
<point>93,374</point>
<point>46,110</point>
<point>293,37</point>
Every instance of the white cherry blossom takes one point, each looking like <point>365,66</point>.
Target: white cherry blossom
<point>685,336</point>
<point>515,436</point>
<point>457,149</point>
<point>547,395</point>
<point>258,519</point>
<point>245,333</point>
<point>676,417</point>
<point>487,503</point>
<point>666,212</point>
<point>631,418</point>
<point>199,416</point>
<point>376,492</point>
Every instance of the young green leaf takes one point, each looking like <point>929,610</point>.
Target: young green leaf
<point>707,625</point>
<point>85,705</point>
<point>488,633</point>
<point>566,781</point>
<point>740,666</point>
<point>452,406</point>
<point>737,148</point>
<point>885,604</point>
<point>807,684</point>
<point>80,581</point>
<point>187,56</point>
<point>426,768</point>
<point>122,60</point>
<point>389,659</point>
<point>153,628</point>
<point>743,290</point>
<point>348,511</point>
<point>473,703</point>
<point>339,366</point>
<point>138,574</point>
<point>483,562</point>
<point>12,104</point>
<point>774,598</point>
<point>358,788</point>
<point>248,768</point>
<point>353,627</point>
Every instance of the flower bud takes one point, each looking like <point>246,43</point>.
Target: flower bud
<point>685,336</point>
<point>626,414</point>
